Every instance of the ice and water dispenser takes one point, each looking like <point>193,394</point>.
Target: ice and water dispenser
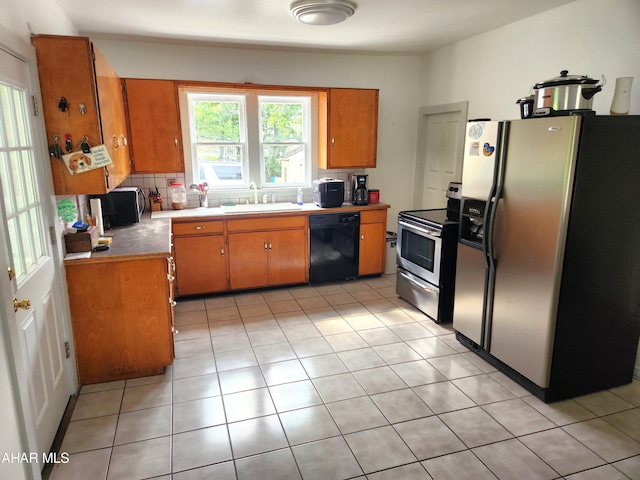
<point>472,222</point>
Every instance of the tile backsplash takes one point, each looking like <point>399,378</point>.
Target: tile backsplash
<point>149,182</point>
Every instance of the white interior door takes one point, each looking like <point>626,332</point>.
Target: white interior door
<point>439,160</point>
<point>35,325</point>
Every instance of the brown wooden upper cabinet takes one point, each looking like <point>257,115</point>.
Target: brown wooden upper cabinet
<point>348,128</point>
<point>154,125</point>
<point>82,97</point>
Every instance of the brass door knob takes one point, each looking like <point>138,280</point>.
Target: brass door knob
<point>24,304</point>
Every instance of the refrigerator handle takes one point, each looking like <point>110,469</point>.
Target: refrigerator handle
<point>486,242</point>
<point>497,195</point>
<point>491,255</point>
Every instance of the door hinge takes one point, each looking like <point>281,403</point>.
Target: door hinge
<point>34,101</point>
<point>67,349</point>
<point>52,235</point>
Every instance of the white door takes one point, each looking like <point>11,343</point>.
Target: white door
<point>439,161</point>
<point>28,273</point>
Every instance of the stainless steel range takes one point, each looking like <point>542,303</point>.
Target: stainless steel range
<point>426,257</point>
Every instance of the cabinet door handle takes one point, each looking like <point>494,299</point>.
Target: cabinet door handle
<point>116,142</point>
<point>199,227</point>
<point>221,252</point>
<point>333,141</point>
<point>175,141</point>
<point>270,246</point>
<point>362,237</point>
<point>124,140</point>
<point>265,245</point>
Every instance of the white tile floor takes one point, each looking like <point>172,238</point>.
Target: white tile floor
<point>334,382</point>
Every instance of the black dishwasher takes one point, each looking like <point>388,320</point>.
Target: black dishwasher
<point>334,246</point>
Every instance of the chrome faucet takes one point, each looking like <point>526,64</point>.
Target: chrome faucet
<point>253,186</point>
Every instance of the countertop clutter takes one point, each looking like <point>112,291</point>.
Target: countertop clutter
<point>152,236</point>
<point>149,238</point>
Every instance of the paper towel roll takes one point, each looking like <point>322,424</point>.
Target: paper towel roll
<point>96,211</point>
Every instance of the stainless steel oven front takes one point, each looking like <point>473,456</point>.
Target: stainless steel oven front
<point>419,250</point>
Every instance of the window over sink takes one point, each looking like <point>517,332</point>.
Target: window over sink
<point>238,136</point>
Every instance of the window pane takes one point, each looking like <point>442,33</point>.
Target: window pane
<point>16,177</point>
<point>219,164</point>
<point>16,246</point>
<point>281,122</point>
<point>7,189</point>
<point>29,175</point>
<point>8,120</point>
<point>28,250</point>
<point>23,137</point>
<point>284,163</point>
<point>217,121</point>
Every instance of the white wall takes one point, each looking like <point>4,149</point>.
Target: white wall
<point>395,76</point>
<point>493,70</point>
<point>24,17</point>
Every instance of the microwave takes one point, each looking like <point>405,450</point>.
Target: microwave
<point>122,206</point>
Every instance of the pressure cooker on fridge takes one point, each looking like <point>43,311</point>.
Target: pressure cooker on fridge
<point>565,95</point>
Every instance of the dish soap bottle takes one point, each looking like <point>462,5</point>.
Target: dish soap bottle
<point>300,197</point>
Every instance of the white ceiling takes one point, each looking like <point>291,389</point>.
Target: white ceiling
<point>387,26</point>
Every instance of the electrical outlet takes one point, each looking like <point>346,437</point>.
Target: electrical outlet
<point>170,181</point>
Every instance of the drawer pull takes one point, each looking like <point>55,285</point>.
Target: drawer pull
<point>199,227</point>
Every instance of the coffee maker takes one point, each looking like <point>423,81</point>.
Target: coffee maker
<point>359,194</point>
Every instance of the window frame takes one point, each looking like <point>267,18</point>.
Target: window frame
<point>306,137</point>
<point>242,141</point>
<point>255,168</point>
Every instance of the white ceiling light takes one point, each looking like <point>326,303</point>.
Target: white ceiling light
<point>322,12</point>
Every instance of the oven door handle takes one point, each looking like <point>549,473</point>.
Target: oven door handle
<point>417,282</point>
<point>431,233</point>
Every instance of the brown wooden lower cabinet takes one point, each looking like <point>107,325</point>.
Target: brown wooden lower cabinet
<point>122,318</point>
<point>373,229</point>
<point>244,253</point>
<point>268,258</point>
<point>200,251</point>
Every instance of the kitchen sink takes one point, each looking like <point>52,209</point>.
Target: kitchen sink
<point>260,207</point>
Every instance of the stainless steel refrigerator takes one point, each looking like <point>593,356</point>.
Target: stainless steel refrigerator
<point>548,265</point>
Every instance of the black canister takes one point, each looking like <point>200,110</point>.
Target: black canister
<point>526,106</point>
